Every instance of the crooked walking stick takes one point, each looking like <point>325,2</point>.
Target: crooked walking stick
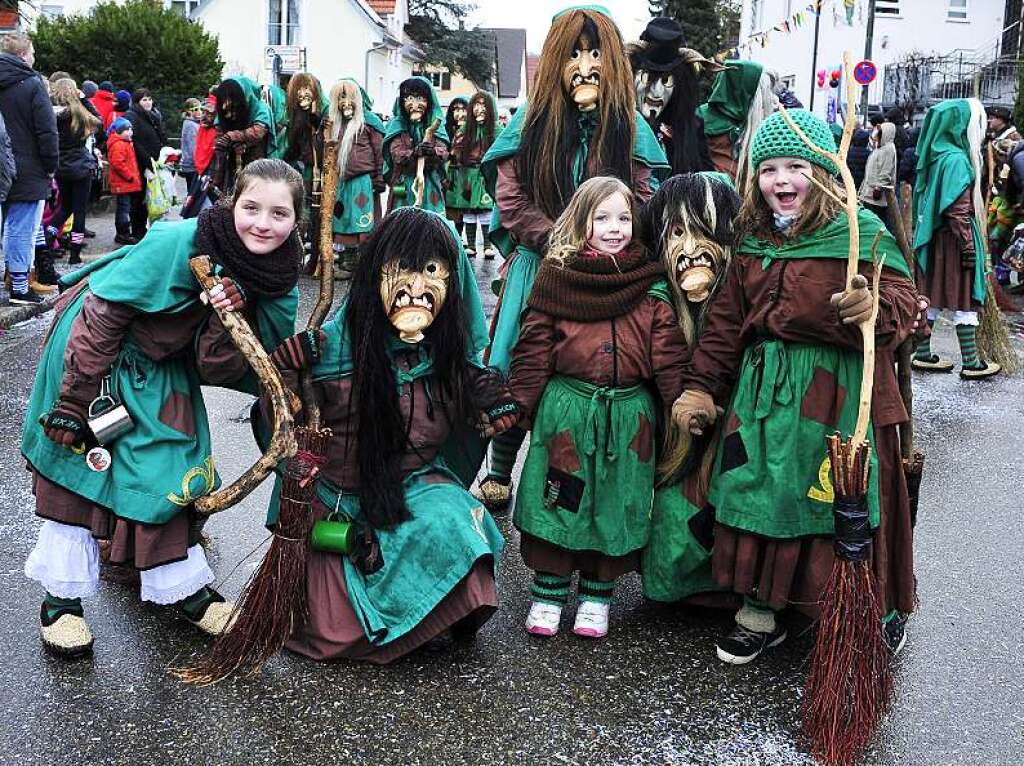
<point>850,684</point>
<point>420,184</point>
<point>274,599</point>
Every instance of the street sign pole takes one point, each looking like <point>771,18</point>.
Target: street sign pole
<point>868,41</point>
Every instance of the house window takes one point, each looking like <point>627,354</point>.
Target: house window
<point>283,22</point>
<point>442,80</point>
<point>887,7</point>
<point>51,11</point>
<point>957,10</point>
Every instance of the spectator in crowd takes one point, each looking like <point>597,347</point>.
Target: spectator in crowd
<point>148,137</point>
<point>104,101</point>
<point>857,159</point>
<point>125,179</point>
<point>880,171</point>
<point>32,127</point>
<point>206,136</point>
<point>77,165</point>
<point>189,129</point>
<point>122,103</point>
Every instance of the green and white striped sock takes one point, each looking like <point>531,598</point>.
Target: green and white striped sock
<point>967,335</point>
<point>596,590</point>
<point>504,448</point>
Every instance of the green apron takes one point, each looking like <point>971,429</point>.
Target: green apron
<point>402,184</point>
<point>588,480</point>
<point>468,190</point>
<point>353,206</point>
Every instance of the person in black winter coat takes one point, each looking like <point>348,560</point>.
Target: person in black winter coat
<point>32,127</point>
<point>857,159</point>
<point>149,137</point>
<point>77,165</point>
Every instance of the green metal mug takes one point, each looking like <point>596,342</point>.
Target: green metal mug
<point>332,536</point>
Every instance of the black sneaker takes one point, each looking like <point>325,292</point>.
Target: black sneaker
<point>45,273</point>
<point>742,645</point>
<point>125,239</point>
<point>894,632</point>
<point>27,298</point>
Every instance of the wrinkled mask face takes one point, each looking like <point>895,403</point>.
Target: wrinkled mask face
<point>347,106</point>
<point>459,113</point>
<point>581,76</point>
<point>412,299</point>
<point>653,92</point>
<point>305,98</point>
<point>694,260</point>
<point>480,111</point>
<point>228,110</point>
<point>415,107</point>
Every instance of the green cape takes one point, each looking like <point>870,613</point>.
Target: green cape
<point>276,100</point>
<point>259,111</point>
<point>944,171</point>
<point>398,124</point>
<point>832,241</point>
<point>727,107</point>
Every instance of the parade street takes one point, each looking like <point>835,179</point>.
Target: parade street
<point>652,693</point>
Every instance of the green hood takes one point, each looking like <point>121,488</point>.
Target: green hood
<point>944,171</point>
<point>726,109</point>
<point>370,117</point>
<point>398,124</point>
<point>259,111</point>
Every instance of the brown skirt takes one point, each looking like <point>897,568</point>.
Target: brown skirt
<point>794,572</point>
<point>946,283</point>
<point>333,631</point>
<point>132,543</point>
<point>542,556</point>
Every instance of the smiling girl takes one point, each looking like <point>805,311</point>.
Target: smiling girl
<point>599,354</point>
<point>782,352</point>
<point>134,326</point>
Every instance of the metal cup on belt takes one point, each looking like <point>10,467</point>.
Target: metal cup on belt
<point>108,418</point>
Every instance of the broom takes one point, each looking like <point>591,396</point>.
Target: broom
<point>850,684</point>
<point>273,601</point>
<point>419,185</point>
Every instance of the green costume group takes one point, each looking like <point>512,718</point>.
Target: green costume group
<point>402,183</point>
<point>467,189</point>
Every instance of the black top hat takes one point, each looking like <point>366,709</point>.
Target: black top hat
<point>664,38</point>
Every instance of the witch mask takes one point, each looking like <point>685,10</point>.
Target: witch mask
<point>415,107</point>
<point>653,92</point>
<point>305,98</point>
<point>479,111</point>
<point>581,76</point>
<point>694,260</point>
<point>347,105</point>
<point>412,298</point>
<point>459,113</point>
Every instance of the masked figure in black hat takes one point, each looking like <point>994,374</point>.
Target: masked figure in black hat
<point>667,77</point>
<point>1002,144</point>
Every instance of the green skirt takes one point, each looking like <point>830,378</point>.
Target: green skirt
<point>588,480</point>
<point>159,467</point>
<point>353,206</point>
<point>771,475</point>
<point>468,190</point>
<point>677,560</point>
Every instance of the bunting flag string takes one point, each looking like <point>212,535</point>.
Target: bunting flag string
<point>786,26</point>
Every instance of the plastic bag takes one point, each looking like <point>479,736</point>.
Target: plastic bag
<point>159,192</point>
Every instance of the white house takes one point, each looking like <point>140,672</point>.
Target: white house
<point>969,28</point>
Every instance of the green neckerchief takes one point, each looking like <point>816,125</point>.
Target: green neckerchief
<point>727,107</point>
<point>370,118</point>
<point>398,124</point>
<point>831,241</point>
<point>944,172</point>
<point>258,110</point>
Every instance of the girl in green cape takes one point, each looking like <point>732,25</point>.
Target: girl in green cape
<point>134,329</point>
<point>415,109</point>
<point>948,241</point>
<point>781,353</point>
<point>469,193</point>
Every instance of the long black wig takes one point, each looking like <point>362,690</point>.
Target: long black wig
<point>229,90</point>
<point>382,432</point>
<point>449,119</point>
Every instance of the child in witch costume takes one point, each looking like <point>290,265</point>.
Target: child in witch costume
<point>469,190</point>
<point>783,336</point>
<point>360,136</point>
<point>581,123</point>
<point>405,143</point>
<point>599,360</point>
<point>455,126</point>
<point>398,377</point>
<point>244,130</point>
<point>948,242</point>
<point>133,326</point>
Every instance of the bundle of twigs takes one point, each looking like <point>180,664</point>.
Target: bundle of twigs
<point>274,599</point>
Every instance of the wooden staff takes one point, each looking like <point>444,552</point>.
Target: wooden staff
<point>282,443</point>
<point>420,184</point>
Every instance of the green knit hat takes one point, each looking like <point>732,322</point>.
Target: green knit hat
<point>774,138</point>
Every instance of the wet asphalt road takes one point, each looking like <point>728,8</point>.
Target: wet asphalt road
<point>652,693</point>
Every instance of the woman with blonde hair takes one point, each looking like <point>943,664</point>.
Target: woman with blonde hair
<point>76,164</point>
<point>599,358</point>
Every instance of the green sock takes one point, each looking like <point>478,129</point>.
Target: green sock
<point>550,589</point>
<point>55,604</point>
<point>923,352</point>
<point>596,590</point>
<point>504,448</point>
<point>966,334</point>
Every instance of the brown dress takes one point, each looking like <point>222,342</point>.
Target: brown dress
<point>946,282</point>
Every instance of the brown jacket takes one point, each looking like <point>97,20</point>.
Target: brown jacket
<point>367,156</point>
<point>404,161</point>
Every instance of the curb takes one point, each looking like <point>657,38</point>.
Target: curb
<point>12,315</point>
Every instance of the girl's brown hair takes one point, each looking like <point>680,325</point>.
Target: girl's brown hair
<point>65,93</point>
<point>573,227</point>
<point>818,209</point>
<point>265,169</point>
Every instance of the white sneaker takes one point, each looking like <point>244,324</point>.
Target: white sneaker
<point>591,620</point>
<point>543,619</point>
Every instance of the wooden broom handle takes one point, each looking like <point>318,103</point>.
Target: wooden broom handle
<point>420,184</point>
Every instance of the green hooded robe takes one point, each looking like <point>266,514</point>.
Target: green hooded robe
<point>726,109</point>
<point>353,203</point>
<point>402,186</point>
<point>259,111</point>
<point>468,188</point>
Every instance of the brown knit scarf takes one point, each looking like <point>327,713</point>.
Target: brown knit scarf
<point>593,286</point>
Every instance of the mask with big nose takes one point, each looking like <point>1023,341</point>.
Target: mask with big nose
<point>696,260</point>
<point>305,98</point>
<point>415,107</point>
<point>413,298</point>
<point>581,76</point>
<point>479,111</point>
<point>653,92</point>
<point>459,113</point>
<point>347,106</point>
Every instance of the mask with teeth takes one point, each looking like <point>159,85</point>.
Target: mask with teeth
<point>581,75</point>
<point>459,113</point>
<point>696,260</point>
<point>653,92</point>
<point>415,107</point>
<point>479,111</point>
<point>305,99</point>
<point>412,299</point>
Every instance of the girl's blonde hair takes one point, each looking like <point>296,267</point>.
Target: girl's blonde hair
<point>573,227</point>
<point>818,209</point>
<point>65,93</point>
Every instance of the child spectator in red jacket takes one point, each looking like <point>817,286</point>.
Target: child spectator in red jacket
<point>124,176</point>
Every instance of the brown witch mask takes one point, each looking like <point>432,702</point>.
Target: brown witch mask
<point>459,113</point>
<point>581,75</point>
<point>694,260</point>
<point>305,98</point>
<point>412,299</point>
<point>479,111</point>
<point>347,104</point>
<point>415,107</point>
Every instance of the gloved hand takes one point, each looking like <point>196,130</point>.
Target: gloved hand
<point>300,351</point>
<point>66,424</point>
<point>424,149</point>
<point>695,411</point>
<point>227,295</point>
<point>235,136</point>
<point>500,417</point>
<point>222,142</point>
<point>854,305</point>
<point>968,260</point>
<point>920,324</point>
